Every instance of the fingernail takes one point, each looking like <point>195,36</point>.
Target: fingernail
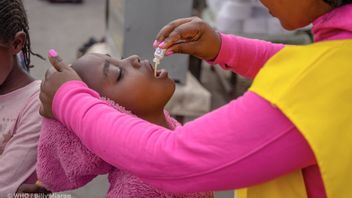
<point>155,44</point>
<point>162,44</point>
<point>52,53</point>
<point>169,52</point>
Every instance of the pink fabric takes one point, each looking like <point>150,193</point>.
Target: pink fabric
<point>221,150</point>
<point>19,134</point>
<point>64,163</point>
<point>245,56</point>
<point>335,25</point>
<point>243,143</point>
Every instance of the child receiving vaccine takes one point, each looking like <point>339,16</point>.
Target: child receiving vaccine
<point>129,85</point>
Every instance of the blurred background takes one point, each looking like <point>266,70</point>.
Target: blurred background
<point>122,28</point>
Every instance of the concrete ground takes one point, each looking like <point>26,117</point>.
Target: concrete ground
<point>66,27</point>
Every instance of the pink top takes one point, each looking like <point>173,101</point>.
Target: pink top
<point>245,142</point>
<point>19,134</point>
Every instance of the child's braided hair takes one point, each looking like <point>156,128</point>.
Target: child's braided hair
<point>13,19</point>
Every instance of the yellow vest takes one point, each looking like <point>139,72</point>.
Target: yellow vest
<point>312,86</point>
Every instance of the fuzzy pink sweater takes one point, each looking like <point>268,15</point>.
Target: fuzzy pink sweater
<point>243,143</point>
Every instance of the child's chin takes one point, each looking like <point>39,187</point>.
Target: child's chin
<point>171,89</point>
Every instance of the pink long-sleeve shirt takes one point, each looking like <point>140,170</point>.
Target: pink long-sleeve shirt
<point>243,143</point>
<point>19,133</point>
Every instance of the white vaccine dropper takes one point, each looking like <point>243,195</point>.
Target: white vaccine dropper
<point>158,56</point>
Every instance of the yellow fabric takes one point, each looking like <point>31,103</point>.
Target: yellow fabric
<point>283,187</point>
<point>312,86</point>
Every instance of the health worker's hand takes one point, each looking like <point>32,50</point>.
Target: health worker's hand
<point>189,36</point>
<point>54,78</point>
<point>31,189</point>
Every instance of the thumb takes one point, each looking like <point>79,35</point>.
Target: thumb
<point>56,61</point>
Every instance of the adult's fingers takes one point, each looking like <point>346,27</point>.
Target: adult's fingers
<point>185,48</point>
<point>49,72</point>
<point>167,29</point>
<point>201,46</point>
<point>57,61</point>
<point>27,188</point>
<point>39,183</point>
<point>184,33</point>
<point>43,112</point>
<point>44,109</point>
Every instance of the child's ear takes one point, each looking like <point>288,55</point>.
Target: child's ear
<point>18,42</point>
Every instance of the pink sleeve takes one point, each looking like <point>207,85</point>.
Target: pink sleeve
<point>245,56</point>
<point>242,143</point>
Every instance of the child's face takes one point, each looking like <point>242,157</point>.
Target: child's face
<point>6,62</point>
<point>8,51</point>
<point>129,82</point>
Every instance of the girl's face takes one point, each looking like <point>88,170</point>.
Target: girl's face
<point>8,51</point>
<point>129,82</point>
<point>295,14</point>
<point>6,62</point>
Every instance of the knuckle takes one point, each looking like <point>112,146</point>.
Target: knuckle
<point>42,85</point>
<point>47,73</point>
<point>195,18</point>
<point>172,24</point>
<point>42,97</point>
<point>176,34</point>
<point>163,31</point>
<point>200,24</point>
<point>178,49</point>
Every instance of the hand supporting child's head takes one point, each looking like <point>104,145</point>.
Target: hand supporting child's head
<point>129,82</point>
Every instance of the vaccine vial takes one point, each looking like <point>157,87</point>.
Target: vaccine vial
<point>158,56</point>
<point>159,53</point>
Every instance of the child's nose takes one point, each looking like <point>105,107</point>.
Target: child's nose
<point>135,61</point>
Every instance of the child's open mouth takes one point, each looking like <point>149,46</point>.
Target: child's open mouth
<point>162,73</point>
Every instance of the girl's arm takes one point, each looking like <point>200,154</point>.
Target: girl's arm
<point>17,162</point>
<point>245,56</point>
<point>243,143</point>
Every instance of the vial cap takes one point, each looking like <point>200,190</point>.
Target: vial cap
<point>159,53</point>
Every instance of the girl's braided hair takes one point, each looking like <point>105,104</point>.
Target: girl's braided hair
<point>13,19</point>
<point>338,3</point>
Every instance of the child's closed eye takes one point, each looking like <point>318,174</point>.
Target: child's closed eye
<point>119,74</point>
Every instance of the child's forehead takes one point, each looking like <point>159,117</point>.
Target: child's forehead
<point>96,56</point>
<point>88,61</point>
<point>92,60</point>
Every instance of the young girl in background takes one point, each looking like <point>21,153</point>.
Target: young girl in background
<point>64,163</point>
<point>19,104</point>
